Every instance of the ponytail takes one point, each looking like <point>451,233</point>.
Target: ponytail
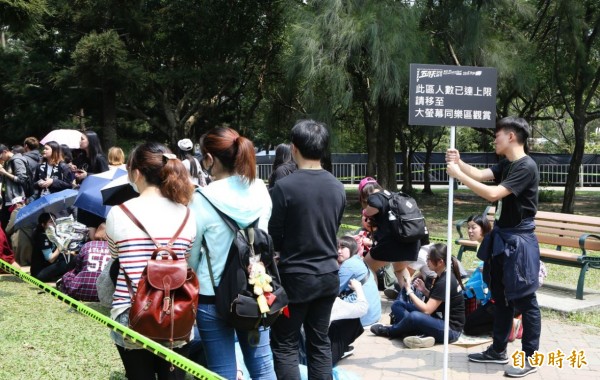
<point>245,160</point>
<point>438,253</point>
<point>456,271</point>
<point>175,184</point>
<point>236,153</point>
<point>164,170</point>
<point>193,167</point>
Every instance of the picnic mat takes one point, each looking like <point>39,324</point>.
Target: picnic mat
<point>469,340</point>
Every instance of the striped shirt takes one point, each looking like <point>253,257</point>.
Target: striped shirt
<point>134,248</point>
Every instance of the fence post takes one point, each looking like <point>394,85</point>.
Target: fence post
<point>352,173</point>
<point>580,175</point>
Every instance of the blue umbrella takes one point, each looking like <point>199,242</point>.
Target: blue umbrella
<point>52,203</point>
<point>90,197</point>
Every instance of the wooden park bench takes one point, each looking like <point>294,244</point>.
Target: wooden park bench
<point>579,234</point>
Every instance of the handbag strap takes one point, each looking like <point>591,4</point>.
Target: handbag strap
<point>139,224</point>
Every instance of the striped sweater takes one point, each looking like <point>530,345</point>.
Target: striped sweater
<point>134,248</point>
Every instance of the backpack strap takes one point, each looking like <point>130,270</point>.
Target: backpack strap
<point>139,224</point>
<point>234,227</point>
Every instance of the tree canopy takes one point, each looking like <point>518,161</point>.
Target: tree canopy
<point>165,70</point>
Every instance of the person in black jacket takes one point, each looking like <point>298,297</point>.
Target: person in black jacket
<point>53,174</point>
<point>91,160</point>
<point>308,206</point>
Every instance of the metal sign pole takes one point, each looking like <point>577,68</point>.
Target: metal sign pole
<point>448,259</point>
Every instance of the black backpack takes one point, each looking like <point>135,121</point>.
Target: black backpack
<point>407,223</point>
<point>234,297</point>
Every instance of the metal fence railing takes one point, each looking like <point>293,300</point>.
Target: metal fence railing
<point>550,174</point>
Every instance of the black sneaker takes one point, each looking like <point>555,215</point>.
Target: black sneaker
<point>349,351</point>
<point>511,371</point>
<point>391,293</point>
<point>489,356</point>
<point>380,330</point>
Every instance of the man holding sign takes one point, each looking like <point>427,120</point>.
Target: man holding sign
<point>510,251</point>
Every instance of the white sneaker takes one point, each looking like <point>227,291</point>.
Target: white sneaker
<point>419,341</point>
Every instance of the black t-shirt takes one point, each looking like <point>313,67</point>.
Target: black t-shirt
<point>385,246</point>
<point>308,206</point>
<point>383,233</point>
<point>522,178</point>
<point>457,301</point>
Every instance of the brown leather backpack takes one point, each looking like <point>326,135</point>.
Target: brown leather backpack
<point>164,306</point>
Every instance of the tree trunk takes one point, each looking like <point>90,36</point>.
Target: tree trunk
<point>406,159</point>
<point>426,168</point>
<point>407,186</point>
<point>576,160</point>
<point>386,138</point>
<point>371,134</point>
<point>109,115</point>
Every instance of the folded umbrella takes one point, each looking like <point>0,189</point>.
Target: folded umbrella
<point>53,203</point>
<point>118,191</point>
<point>69,137</point>
<point>90,198</point>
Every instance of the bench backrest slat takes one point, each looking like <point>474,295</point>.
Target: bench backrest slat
<point>555,228</point>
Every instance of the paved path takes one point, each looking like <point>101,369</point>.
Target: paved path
<point>378,358</point>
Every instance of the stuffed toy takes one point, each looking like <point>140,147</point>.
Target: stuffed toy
<point>262,284</point>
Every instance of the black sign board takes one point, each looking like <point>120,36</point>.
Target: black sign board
<point>452,95</point>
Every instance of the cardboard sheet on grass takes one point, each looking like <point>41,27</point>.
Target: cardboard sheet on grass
<point>470,340</point>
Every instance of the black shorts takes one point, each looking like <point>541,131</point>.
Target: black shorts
<point>393,251</point>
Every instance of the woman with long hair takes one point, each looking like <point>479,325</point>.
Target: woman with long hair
<point>421,323</point>
<point>53,174</point>
<point>283,164</point>
<point>93,160</point>
<point>161,180</point>
<point>230,159</point>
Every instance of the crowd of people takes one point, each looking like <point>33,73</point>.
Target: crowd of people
<point>331,281</point>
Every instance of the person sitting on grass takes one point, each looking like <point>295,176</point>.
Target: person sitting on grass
<point>421,323</point>
<point>47,262</point>
<point>80,283</point>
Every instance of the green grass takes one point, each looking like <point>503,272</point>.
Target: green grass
<point>43,338</point>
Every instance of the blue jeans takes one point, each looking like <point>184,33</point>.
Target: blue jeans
<point>411,321</point>
<point>218,339</point>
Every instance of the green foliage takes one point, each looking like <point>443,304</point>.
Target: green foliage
<point>100,58</point>
<point>22,16</point>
